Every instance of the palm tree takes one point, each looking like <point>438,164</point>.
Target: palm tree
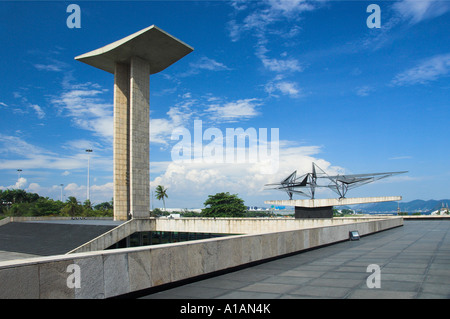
<point>72,207</point>
<point>161,192</point>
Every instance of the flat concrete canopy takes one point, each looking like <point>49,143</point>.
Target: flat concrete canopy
<point>152,44</point>
<point>312,203</point>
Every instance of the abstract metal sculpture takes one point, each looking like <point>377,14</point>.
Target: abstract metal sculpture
<point>306,184</point>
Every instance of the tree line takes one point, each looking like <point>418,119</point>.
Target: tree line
<point>19,203</point>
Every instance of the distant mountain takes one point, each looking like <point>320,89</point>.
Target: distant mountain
<point>418,205</point>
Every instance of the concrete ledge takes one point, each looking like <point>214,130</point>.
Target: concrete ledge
<point>5,221</point>
<point>120,271</point>
<point>429,217</point>
<point>248,225</point>
<point>209,225</point>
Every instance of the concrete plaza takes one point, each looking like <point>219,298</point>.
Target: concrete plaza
<point>414,262</point>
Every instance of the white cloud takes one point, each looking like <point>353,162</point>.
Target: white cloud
<point>418,10</point>
<point>364,90</point>
<point>17,146</point>
<point>87,108</point>
<point>97,194</point>
<point>160,130</point>
<point>239,4</point>
<point>3,104</point>
<point>290,7</point>
<point>178,115</point>
<point>38,110</point>
<point>207,108</point>
<point>18,153</point>
<point>278,65</point>
<point>82,144</point>
<point>204,63</point>
<point>52,66</point>
<point>400,157</point>
<point>284,87</point>
<point>263,15</point>
<point>193,182</point>
<point>208,64</point>
<point>267,12</point>
<point>233,111</point>
<point>429,70</point>
<point>20,184</point>
<point>48,67</point>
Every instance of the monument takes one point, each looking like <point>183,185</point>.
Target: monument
<point>306,185</point>
<point>132,60</point>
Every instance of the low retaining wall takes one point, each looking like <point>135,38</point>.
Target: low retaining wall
<point>247,225</point>
<point>210,225</point>
<point>104,274</point>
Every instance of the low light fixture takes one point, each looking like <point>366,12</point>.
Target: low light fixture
<point>354,235</point>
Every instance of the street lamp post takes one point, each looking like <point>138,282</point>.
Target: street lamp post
<point>88,151</point>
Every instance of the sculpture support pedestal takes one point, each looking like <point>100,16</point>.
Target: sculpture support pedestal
<point>323,208</point>
<point>315,212</point>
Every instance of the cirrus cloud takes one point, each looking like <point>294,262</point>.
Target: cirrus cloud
<point>428,70</point>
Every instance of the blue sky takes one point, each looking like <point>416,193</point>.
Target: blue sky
<point>350,98</point>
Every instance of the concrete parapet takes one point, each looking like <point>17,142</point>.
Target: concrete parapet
<point>248,225</point>
<point>209,225</point>
<point>115,272</point>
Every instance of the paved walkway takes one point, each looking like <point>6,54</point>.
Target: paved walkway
<point>414,262</point>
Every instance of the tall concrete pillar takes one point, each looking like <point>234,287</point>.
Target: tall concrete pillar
<point>121,165</point>
<point>132,60</point>
<point>139,138</point>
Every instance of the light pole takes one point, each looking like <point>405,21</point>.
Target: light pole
<point>88,151</point>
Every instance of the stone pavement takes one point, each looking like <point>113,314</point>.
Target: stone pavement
<point>414,262</point>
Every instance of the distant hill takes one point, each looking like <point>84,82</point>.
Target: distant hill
<point>418,205</point>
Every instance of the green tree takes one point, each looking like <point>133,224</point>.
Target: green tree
<point>224,205</point>
<point>72,207</point>
<point>104,209</point>
<point>336,213</point>
<point>105,206</point>
<point>161,193</point>
<point>22,209</point>
<point>347,211</point>
<point>18,196</point>
<point>48,207</point>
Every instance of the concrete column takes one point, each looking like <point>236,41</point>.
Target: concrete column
<point>121,137</point>
<point>132,60</point>
<point>139,138</point>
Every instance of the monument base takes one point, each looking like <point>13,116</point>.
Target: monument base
<point>314,212</point>
<point>323,208</point>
